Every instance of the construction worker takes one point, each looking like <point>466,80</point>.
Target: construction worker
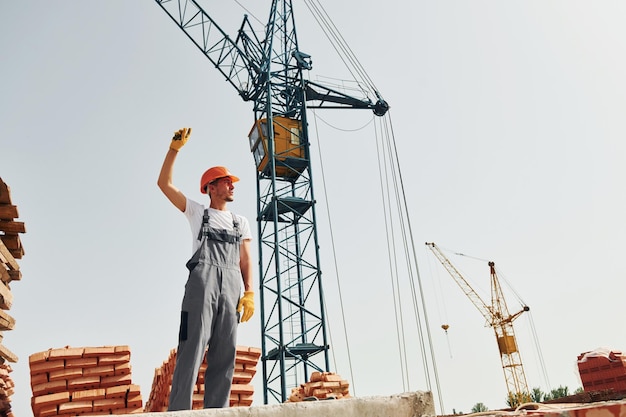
<point>211,307</point>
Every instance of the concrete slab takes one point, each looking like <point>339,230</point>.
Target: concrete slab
<point>410,404</point>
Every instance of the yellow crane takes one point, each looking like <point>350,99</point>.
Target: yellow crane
<point>498,317</point>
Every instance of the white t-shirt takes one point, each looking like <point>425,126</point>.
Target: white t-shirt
<point>218,219</point>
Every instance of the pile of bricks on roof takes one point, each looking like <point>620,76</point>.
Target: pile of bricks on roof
<point>10,250</point>
<point>602,369</point>
<point>241,393</point>
<point>73,381</point>
<point>323,386</point>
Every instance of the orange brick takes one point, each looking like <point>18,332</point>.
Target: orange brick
<point>48,411</point>
<point>241,377</point>
<point>254,351</point>
<point>244,400</point>
<point>81,362</point>
<point>65,353</point>
<point>65,374</point>
<point>98,351</point>
<point>134,389</point>
<point>251,369</point>
<point>38,379</point>
<point>50,400</point>
<point>85,382</point>
<point>321,392</point>
<point>75,407</point>
<point>117,391</point>
<point>122,368</point>
<point>122,349</point>
<point>109,404</point>
<point>47,366</point>
<point>111,381</point>
<point>38,357</point>
<point>246,359</point>
<point>197,401</point>
<point>134,401</point>
<point>88,394</point>
<point>242,389</point>
<point>49,387</point>
<point>113,359</point>
<point>331,377</point>
<point>106,370</point>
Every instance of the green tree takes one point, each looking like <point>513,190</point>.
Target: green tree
<point>479,408</point>
<point>537,395</point>
<point>555,393</point>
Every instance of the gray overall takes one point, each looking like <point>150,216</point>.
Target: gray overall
<point>209,318</point>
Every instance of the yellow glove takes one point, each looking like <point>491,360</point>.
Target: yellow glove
<point>246,303</point>
<point>180,138</point>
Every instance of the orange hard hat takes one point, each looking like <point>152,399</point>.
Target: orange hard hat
<point>213,174</point>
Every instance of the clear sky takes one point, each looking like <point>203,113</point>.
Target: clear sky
<point>508,118</point>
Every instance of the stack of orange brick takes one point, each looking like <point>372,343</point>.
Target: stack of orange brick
<point>10,250</point>
<point>241,393</point>
<point>323,386</point>
<point>83,381</point>
<point>602,370</point>
<point>6,390</point>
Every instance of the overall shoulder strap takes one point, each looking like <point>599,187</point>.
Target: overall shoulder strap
<point>236,226</point>
<point>204,225</point>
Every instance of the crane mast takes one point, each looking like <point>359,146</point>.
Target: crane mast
<point>269,73</point>
<point>498,317</point>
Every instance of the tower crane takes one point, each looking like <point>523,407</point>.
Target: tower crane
<point>269,72</point>
<point>498,317</point>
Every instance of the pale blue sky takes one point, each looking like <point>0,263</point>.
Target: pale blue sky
<point>509,120</point>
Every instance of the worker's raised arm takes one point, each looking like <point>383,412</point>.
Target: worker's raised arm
<point>165,176</point>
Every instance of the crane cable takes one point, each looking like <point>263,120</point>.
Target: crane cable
<point>339,44</point>
<point>389,168</point>
<point>357,72</point>
<point>333,250</point>
<point>389,150</point>
<point>395,218</point>
<point>395,284</point>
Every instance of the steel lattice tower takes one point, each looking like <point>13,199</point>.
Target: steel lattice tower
<point>269,72</point>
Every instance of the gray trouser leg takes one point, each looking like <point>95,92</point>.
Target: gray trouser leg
<point>221,355</point>
<point>193,337</point>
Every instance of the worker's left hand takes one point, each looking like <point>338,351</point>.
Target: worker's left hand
<point>247,305</point>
